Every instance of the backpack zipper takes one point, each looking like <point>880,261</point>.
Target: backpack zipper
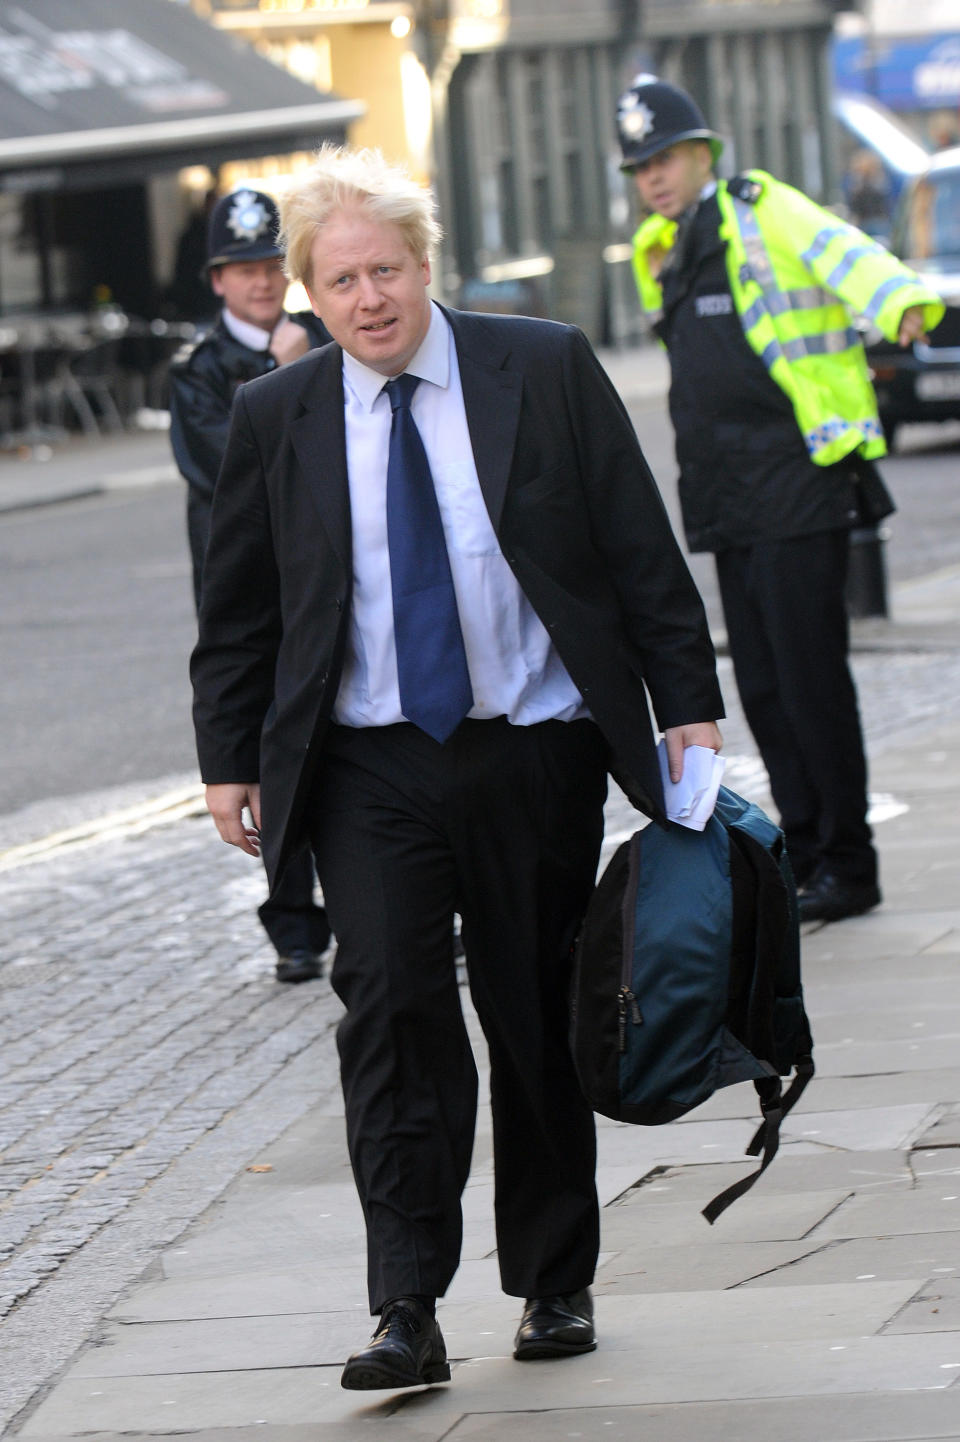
<point>626,1000</point>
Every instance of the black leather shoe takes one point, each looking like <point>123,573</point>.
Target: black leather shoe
<point>556,1327</point>
<point>299,966</point>
<point>827,898</point>
<point>406,1350</point>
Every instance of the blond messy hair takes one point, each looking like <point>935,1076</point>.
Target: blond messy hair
<point>344,179</point>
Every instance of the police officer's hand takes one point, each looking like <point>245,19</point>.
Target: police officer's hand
<point>225,802</point>
<point>911,325</point>
<point>289,342</point>
<point>678,738</point>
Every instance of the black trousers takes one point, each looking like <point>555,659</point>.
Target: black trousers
<point>290,916</point>
<point>502,824</point>
<point>787,625</point>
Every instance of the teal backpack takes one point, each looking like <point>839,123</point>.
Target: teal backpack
<point>687,977</point>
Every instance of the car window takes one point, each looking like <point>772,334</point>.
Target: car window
<point>929,229</point>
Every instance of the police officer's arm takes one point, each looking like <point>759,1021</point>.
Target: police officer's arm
<point>857,269</point>
<point>199,422</point>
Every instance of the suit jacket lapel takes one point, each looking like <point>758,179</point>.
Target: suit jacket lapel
<point>491,398</point>
<point>318,435</point>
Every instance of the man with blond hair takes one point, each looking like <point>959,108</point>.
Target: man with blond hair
<point>440,588</point>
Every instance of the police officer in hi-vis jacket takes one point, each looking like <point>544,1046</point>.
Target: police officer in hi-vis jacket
<point>753,288</point>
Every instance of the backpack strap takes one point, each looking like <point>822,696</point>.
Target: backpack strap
<point>775,1106</point>
<point>767,1139</point>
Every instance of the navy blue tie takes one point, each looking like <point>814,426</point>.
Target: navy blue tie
<point>432,670</point>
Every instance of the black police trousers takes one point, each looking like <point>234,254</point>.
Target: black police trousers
<point>788,631</point>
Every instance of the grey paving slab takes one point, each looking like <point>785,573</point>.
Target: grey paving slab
<point>723,1371</point>
<point>799,1313</point>
<point>883,933</point>
<point>316,1282</point>
<point>692,1268</point>
<point>866,1129</point>
<point>935,1309</point>
<point>325,1337</point>
<point>626,1153</point>
<point>932,1210</point>
<point>930,1255</point>
<point>893,983</point>
<point>929,1163</point>
<point>945,1130</point>
<point>828,1169</point>
<point>878,1418</point>
<point>397,1416</point>
<point>867,1057</point>
<point>947,945</point>
<point>926,1014</point>
<point>234,1344</point>
<point>777,1217</point>
<point>936,1087</point>
<point>271,1231</point>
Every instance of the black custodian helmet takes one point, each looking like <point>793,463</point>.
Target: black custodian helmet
<point>244,225</point>
<point>653,114</point>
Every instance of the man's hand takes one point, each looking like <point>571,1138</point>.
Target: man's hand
<point>678,738</point>
<point>225,803</point>
<point>911,325</point>
<point>288,342</point>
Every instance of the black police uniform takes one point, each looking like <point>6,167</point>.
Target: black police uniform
<point>204,378</point>
<point>779,526</point>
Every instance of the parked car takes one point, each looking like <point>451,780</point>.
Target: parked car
<point>922,383</point>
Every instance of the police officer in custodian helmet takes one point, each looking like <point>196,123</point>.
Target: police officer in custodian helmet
<point>252,335</point>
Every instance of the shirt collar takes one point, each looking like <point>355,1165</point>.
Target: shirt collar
<point>245,333</point>
<point>431,363</point>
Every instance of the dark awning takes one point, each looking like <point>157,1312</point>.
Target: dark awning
<point>94,91</point>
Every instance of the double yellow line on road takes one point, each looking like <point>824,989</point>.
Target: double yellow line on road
<point>130,821</point>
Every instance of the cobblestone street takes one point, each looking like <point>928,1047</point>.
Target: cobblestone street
<point>147,1054</point>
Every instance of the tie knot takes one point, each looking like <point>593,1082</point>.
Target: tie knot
<point>400,390</point>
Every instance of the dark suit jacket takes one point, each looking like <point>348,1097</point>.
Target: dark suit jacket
<point>578,518</point>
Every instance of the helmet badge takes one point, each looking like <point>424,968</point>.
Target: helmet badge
<point>637,120</point>
<point>248,216</point>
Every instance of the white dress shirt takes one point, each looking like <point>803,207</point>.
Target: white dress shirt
<point>246,332</point>
<point>514,668</point>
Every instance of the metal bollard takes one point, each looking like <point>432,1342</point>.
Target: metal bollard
<point>866,593</point>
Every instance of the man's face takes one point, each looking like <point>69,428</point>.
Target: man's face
<point>252,290</point>
<point>370,290</point>
<point>670,181</point>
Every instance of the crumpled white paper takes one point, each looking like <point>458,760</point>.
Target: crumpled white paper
<point>690,801</point>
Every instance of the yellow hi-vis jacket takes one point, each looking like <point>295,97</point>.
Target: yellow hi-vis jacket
<point>797,274</point>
